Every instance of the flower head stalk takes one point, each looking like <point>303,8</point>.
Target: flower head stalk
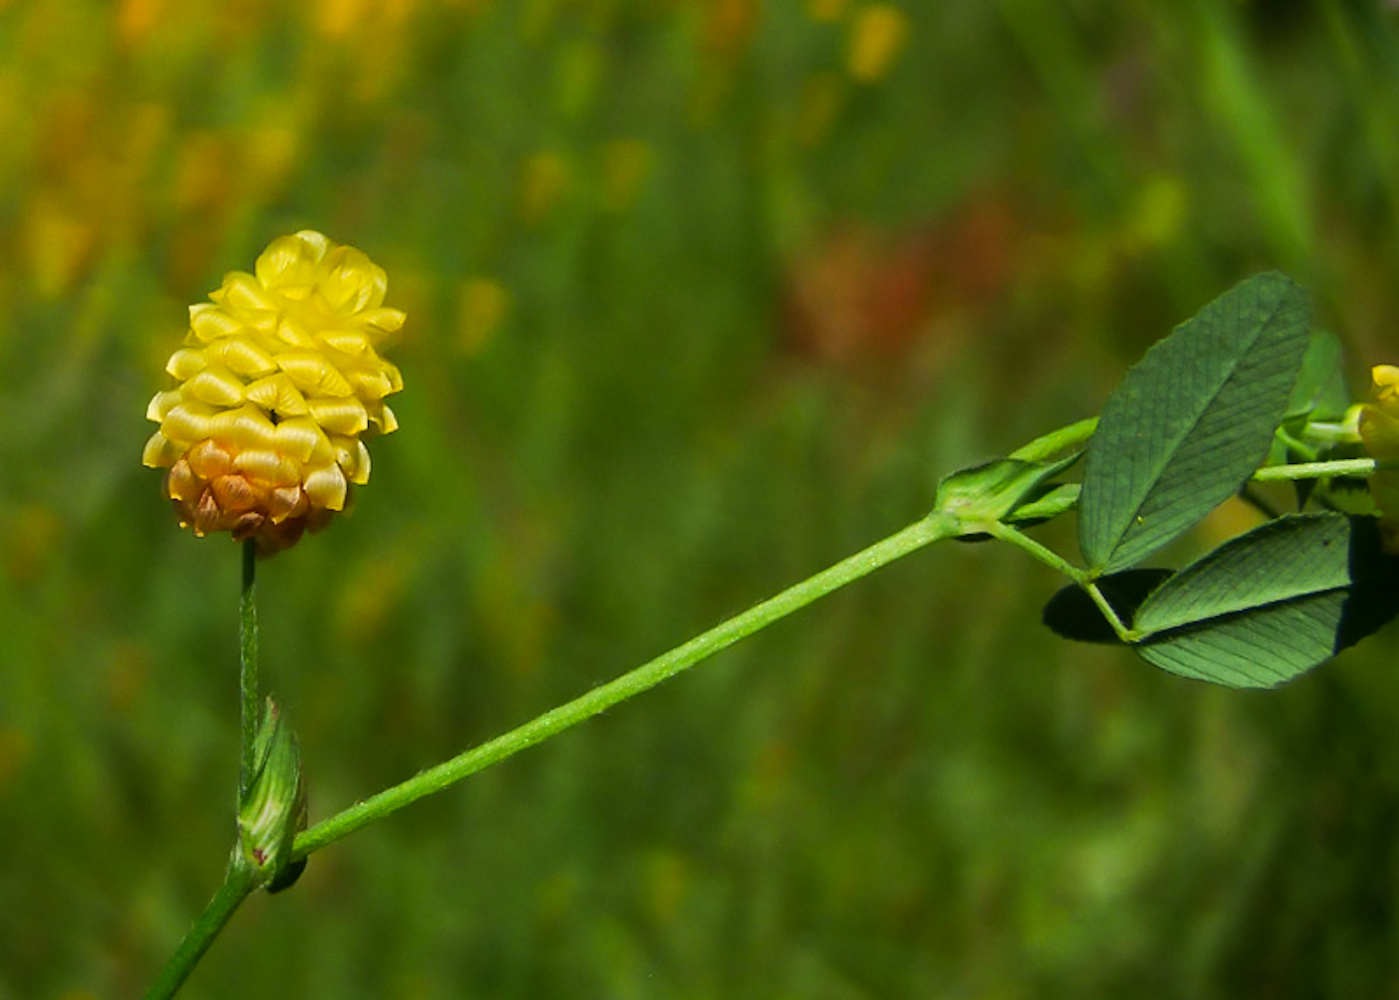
<point>1379,430</point>
<point>280,385</point>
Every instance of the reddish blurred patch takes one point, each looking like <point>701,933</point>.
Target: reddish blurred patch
<point>728,27</point>
<point>859,294</point>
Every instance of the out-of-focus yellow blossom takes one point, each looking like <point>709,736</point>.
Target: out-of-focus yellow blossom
<point>544,180</point>
<point>626,163</point>
<point>878,33</point>
<point>482,307</point>
<point>1379,429</point>
<point>825,11</point>
<point>281,382</point>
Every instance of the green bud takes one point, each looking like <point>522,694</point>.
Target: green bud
<point>995,490</point>
<point>273,806</point>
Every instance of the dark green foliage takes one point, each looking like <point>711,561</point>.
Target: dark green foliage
<point>1273,603</point>
<point>1191,422</point>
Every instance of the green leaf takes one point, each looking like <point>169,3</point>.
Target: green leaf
<point>1191,421</point>
<point>1321,391</point>
<point>1271,604</point>
<point>1056,500</point>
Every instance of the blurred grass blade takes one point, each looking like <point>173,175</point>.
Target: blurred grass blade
<point>1191,421</point>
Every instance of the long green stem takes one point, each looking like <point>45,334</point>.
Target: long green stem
<point>250,711</point>
<point>1315,470</point>
<point>933,528</point>
<point>238,882</point>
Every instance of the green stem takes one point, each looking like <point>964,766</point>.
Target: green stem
<point>935,527</point>
<point>1298,448</point>
<point>1316,470</point>
<point>238,883</point>
<point>251,707</point>
<point>1083,578</point>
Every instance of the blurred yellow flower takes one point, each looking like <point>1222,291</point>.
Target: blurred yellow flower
<point>281,382</point>
<point>1379,429</point>
<point>878,33</point>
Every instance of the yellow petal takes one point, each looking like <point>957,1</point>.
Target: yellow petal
<point>351,282</point>
<point>186,362</point>
<point>242,355</point>
<point>374,383</point>
<point>313,373</point>
<point>291,332</point>
<point>209,460</point>
<point>1380,432</point>
<point>353,457</point>
<point>188,422</point>
<point>303,440</point>
<point>208,322</point>
<point>159,452</point>
<point>346,341</point>
<point>381,322</point>
<point>1386,387</point>
<point>182,483</point>
<point>326,487</point>
<point>242,293</point>
<point>270,466</point>
<point>276,394</point>
<point>292,261</point>
<point>345,415</point>
<point>217,386</point>
<point>162,403</point>
<point>244,428</point>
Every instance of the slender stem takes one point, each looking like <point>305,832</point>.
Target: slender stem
<point>1298,448</point>
<point>251,708</point>
<point>238,882</point>
<point>935,527</point>
<point>1083,578</point>
<point>1315,470</point>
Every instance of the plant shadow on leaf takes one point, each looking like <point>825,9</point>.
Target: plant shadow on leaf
<point>1260,646</point>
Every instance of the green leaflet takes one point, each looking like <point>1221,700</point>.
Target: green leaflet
<point>1271,604</point>
<point>1191,421</point>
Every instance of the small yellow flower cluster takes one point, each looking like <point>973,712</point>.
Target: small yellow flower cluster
<point>280,383</point>
<point>1379,429</point>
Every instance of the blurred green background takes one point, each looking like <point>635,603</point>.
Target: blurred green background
<point>702,297</point>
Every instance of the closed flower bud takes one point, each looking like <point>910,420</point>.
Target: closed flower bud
<point>1379,429</point>
<point>272,809</point>
<point>280,385</point>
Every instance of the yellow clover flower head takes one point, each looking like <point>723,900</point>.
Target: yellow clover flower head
<point>1379,429</point>
<point>281,382</point>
